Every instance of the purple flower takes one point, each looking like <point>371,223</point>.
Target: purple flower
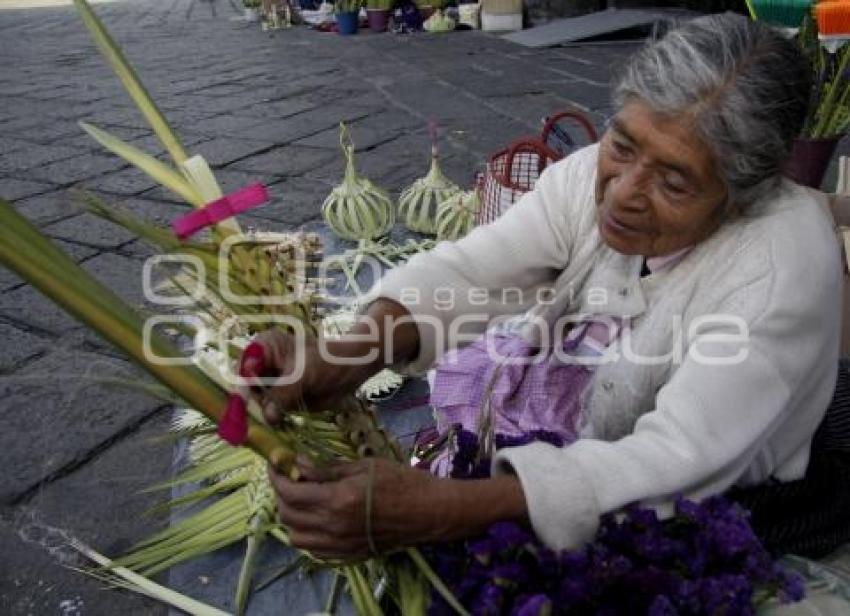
<point>532,605</point>
<point>706,560</point>
<point>489,601</point>
<point>510,575</point>
<point>662,606</point>
<point>509,534</point>
<point>727,594</point>
<point>483,550</point>
<point>573,592</point>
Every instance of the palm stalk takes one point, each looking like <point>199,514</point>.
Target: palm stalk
<point>124,578</point>
<point>26,251</point>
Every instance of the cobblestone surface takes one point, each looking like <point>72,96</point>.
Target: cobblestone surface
<point>260,107</point>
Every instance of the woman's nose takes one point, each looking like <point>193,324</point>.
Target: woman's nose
<point>629,188</point>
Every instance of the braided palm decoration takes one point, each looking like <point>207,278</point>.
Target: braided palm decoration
<point>456,215</point>
<point>418,202</point>
<point>357,209</point>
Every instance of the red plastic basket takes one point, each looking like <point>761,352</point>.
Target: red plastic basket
<point>512,172</point>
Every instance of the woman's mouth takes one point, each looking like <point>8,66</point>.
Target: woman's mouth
<point>612,224</point>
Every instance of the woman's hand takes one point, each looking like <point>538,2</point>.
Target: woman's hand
<point>327,512</point>
<point>306,378</point>
<point>331,514</point>
<point>315,376</point>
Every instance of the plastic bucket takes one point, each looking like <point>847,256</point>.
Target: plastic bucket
<point>809,160</point>
<point>346,23</point>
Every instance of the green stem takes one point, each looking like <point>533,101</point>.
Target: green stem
<point>827,106</point>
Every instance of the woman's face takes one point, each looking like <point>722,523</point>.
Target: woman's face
<point>657,186</point>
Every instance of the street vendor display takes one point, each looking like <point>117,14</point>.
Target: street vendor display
<point>595,468</point>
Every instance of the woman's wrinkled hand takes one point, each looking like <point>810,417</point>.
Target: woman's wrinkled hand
<point>304,379</point>
<point>331,514</point>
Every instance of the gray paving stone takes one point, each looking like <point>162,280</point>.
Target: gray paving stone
<point>75,169</point>
<point>279,109</point>
<point>363,138</point>
<point>287,130</point>
<point>14,188</point>
<point>293,203</point>
<point>49,208</point>
<point>224,150</point>
<point>287,160</point>
<point>88,229</point>
<point>8,279</point>
<point>34,156</point>
<point>42,131</point>
<point>55,403</point>
<point>101,504</point>
<point>224,125</point>
<point>10,144</point>
<point>19,346</point>
<point>121,275</point>
<point>129,181</point>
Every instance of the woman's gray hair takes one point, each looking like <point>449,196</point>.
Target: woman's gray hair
<point>746,87</point>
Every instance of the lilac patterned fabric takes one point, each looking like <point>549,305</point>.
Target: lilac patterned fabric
<point>528,390</point>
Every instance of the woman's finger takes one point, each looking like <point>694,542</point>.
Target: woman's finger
<point>311,472</point>
<point>326,546</point>
<point>298,520</point>
<point>276,346</point>
<point>300,494</point>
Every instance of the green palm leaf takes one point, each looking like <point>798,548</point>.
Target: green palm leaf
<point>156,170</point>
<point>170,141</point>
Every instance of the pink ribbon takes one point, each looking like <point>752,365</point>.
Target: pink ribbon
<point>221,209</point>
<point>233,426</point>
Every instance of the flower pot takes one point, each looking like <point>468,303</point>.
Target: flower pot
<point>346,23</point>
<point>809,159</point>
<point>378,19</point>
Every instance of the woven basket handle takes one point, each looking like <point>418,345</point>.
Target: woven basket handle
<point>576,116</point>
<point>535,146</point>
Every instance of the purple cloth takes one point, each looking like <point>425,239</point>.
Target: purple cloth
<point>527,392</point>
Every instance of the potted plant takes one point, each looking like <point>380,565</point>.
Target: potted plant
<point>251,10</point>
<point>828,118</point>
<point>378,12</point>
<point>347,14</point>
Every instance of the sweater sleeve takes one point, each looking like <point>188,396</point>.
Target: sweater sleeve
<point>455,290</point>
<point>710,420</point>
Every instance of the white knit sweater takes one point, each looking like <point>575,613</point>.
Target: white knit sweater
<point>673,425</point>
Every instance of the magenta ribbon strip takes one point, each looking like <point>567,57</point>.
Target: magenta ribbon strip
<point>221,209</point>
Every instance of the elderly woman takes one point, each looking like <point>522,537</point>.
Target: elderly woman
<point>675,318</point>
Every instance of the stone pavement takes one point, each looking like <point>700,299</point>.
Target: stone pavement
<point>259,107</point>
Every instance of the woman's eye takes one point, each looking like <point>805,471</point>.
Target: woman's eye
<point>674,188</point>
<point>621,149</point>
